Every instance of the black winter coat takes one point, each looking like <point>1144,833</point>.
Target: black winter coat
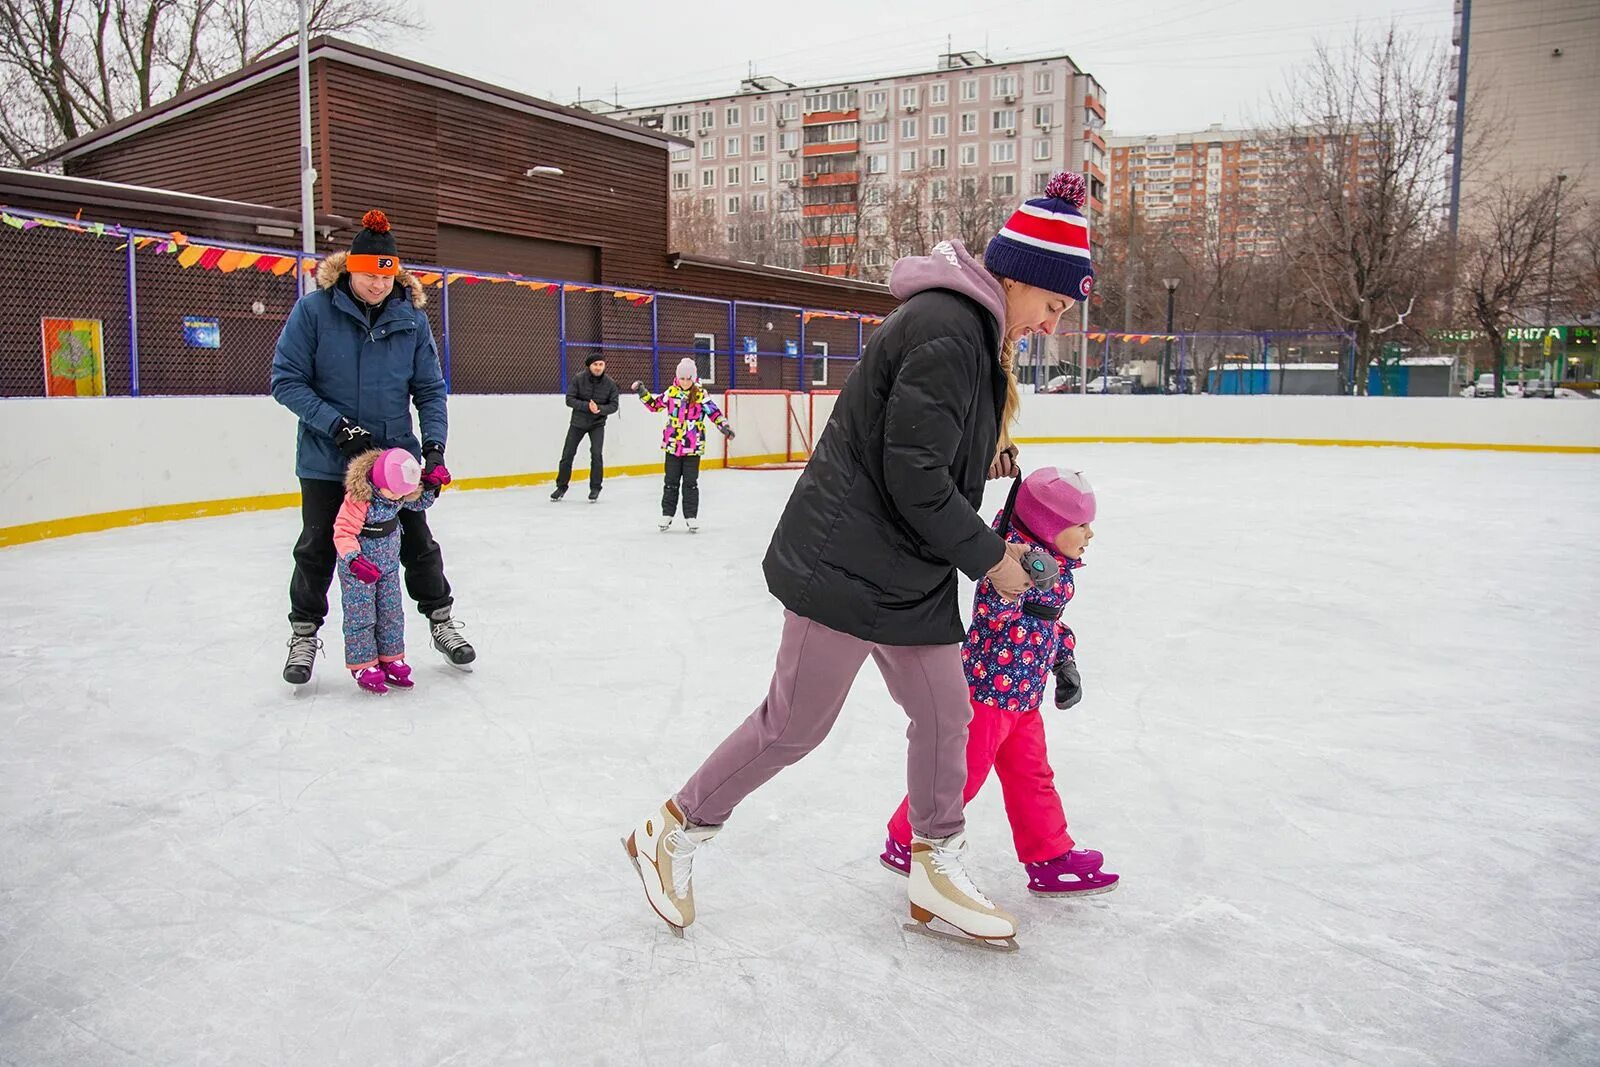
<point>886,509</point>
<point>586,387</point>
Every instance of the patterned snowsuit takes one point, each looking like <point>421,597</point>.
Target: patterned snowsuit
<point>684,441</point>
<point>1009,656</point>
<point>368,525</point>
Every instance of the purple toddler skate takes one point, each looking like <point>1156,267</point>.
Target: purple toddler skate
<point>398,674</point>
<point>1075,874</point>
<point>896,857</point>
<point>371,679</point>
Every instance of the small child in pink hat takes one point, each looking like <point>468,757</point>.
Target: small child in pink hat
<point>1010,653</point>
<point>366,534</point>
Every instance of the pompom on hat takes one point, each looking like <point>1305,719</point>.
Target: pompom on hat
<point>1046,241</point>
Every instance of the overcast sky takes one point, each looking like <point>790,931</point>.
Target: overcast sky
<point>1165,64</point>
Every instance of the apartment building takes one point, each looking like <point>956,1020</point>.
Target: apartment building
<point>826,177</point>
<point>1219,187</point>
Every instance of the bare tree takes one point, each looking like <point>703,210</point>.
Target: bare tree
<point>68,67</point>
<point>1367,133</point>
<point>1502,261</point>
<point>694,226</point>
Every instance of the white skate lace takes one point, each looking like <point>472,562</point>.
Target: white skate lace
<point>681,848</point>
<point>947,861</point>
<point>447,634</point>
<point>303,649</point>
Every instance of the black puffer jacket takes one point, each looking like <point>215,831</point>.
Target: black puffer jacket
<point>586,387</point>
<point>885,511</point>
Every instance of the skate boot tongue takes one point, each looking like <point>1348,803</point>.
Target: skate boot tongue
<point>948,856</point>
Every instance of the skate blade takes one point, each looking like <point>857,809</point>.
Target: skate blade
<point>886,865</point>
<point>633,858</point>
<point>1064,894</point>
<point>996,944</point>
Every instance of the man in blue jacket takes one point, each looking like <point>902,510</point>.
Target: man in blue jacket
<point>352,358</point>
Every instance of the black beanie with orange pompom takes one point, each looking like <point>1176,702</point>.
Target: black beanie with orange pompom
<point>373,250</point>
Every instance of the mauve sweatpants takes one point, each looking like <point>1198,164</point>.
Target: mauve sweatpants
<point>815,670</point>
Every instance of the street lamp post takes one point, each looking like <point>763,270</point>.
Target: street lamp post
<point>308,173</point>
<point>1166,356</point>
<point>1550,280</point>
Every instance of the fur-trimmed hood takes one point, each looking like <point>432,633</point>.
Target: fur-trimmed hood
<point>331,267</point>
<point>358,478</point>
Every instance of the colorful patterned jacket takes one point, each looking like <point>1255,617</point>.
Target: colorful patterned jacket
<point>1009,654</point>
<point>685,433</point>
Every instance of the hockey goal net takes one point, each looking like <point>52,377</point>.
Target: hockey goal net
<point>777,428</point>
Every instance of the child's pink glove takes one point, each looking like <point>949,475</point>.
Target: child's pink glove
<point>364,570</point>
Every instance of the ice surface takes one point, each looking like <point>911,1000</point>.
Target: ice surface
<point>1340,737</point>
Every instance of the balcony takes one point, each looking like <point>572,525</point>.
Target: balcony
<point>840,148</point>
<point>1093,103</point>
<point>1094,138</point>
<point>837,240</point>
<point>824,210</point>
<point>822,118</point>
<point>844,177</point>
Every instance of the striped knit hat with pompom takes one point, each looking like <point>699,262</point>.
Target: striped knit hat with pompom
<point>1046,242</point>
<point>373,250</point>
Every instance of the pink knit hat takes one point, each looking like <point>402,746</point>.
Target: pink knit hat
<point>397,471</point>
<point>687,369</point>
<point>1050,501</point>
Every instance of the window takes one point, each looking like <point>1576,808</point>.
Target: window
<point>875,196</point>
<point>874,258</point>
<point>709,204</point>
<point>1044,81</point>
<point>1042,149</point>
<point>733,116</point>
<point>758,231</point>
<point>878,164</point>
<point>833,133</point>
<point>733,176</point>
<point>969,122</point>
<point>1005,85</point>
<point>680,122</point>
<point>969,155</point>
<point>936,189</point>
<point>819,358</point>
<point>758,114</point>
<point>878,101</point>
<point>758,174</point>
<point>877,226</point>
<point>758,202</point>
<point>758,143</point>
<point>910,96</point>
<point>844,100</point>
<point>789,142</point>
<point>708,178</point>
<point>1040,181</point>
<point>969,89</point>
<point>969,188</point>
<point>1044,115</point>
<point>704,345</point>
<point>939,93</point>
<point>680,155</point>
<point>733,205</point>
<point>789,110</point>
<point>939,126</point>
<point>877,132</point>
<point>680,179</point>
<point>1004,184</point>
<point>733,147</point>
<point>787,171</point>
<point>708,120</point>
<point>938,158</point>
<point>790,231</point>
<point>708,150</point>
<point>908,129</point>
<point>1002,152</point>
<point>908,160</point>
<point>1004,119</point>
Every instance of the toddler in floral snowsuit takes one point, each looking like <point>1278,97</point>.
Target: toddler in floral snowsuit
<point>366,534</point>
<point>1009,653</point>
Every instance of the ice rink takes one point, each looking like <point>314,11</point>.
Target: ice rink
<point>1340,737</point>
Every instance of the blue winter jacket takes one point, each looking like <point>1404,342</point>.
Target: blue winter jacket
<point>329,364</point>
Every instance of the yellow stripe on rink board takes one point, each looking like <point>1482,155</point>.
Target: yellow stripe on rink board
<point>200,509</point>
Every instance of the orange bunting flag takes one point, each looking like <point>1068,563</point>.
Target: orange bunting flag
<point>284,265</point>
<point>229,261</point>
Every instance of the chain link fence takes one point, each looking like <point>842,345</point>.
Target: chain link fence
<point>1274,362</point>
<point>199,318</point>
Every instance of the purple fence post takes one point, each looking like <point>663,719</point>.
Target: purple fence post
<point>805,386</point>
<point>444,324</point>
<point>561,340</point>
<point>733,349</point>
<point>655,344</point>
<point>1105,365</point>
<point>133,324</point>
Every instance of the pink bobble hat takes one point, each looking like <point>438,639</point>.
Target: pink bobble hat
<point>397,471</point>
<point>1050,501</point>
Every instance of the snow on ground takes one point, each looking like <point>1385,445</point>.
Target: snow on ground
<point>1340,739</point>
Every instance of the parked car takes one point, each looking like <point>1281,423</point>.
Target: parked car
<point>1485,386</point>
<point>1115,383</point>
<point>1539,387</point>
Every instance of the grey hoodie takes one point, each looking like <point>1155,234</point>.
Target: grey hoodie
<point>952,267</point>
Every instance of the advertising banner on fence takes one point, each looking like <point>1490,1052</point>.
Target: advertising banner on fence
<point>74,357</point>
<point>202,333</point>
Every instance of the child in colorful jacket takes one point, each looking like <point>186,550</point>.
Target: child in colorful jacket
<point>1010,651</point>
<point>366,535</point>
<point>688,406</point>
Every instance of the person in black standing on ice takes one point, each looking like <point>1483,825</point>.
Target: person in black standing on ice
<point>592,396</point>
<point>354,356</point>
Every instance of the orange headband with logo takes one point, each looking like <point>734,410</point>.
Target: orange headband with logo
<point>369,264</point>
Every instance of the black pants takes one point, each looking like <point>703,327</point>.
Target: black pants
<point>685,469</point>
<point>597,463</point>
<point>315,557</point>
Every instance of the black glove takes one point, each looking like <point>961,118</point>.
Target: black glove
<point>352,439</point>
<point>727,431</point>
<point>435,475</point>
<point>1069,687</point>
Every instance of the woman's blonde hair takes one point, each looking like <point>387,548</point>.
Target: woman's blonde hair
<point>1008,416</point>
